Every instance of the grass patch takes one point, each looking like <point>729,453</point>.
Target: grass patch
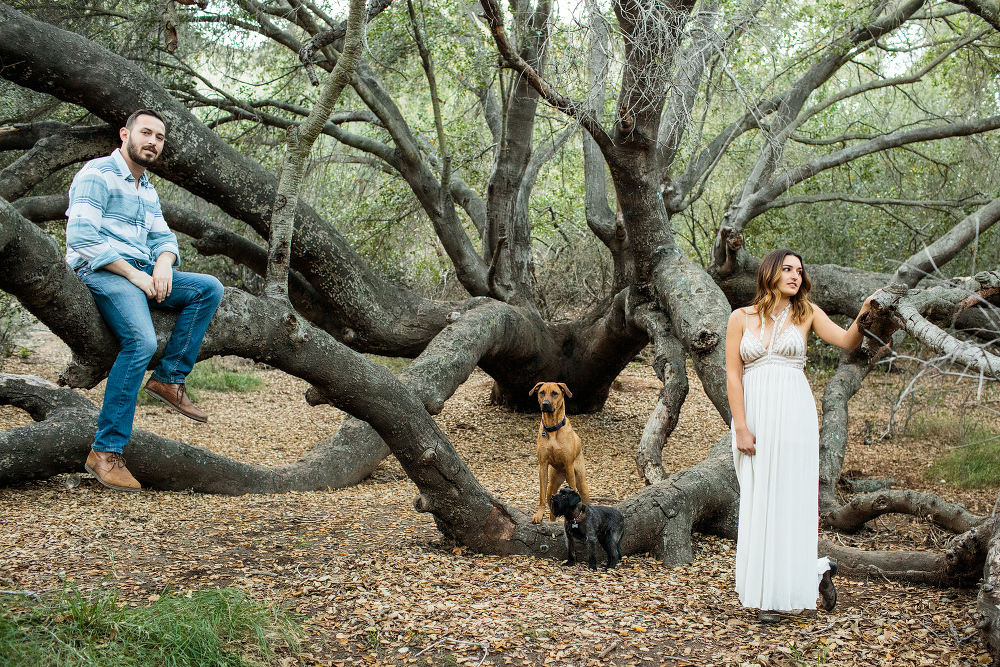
<point>214,377</point>
<point>211,375</point>
<point>394,364</point>
<point>973,457</point>
<point>223,628</point>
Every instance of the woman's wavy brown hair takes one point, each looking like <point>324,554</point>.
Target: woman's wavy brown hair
<point>768,277</point>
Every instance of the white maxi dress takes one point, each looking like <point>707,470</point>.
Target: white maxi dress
<point>776,558</point>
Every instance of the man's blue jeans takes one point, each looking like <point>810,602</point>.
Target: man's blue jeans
<point>125,308</point>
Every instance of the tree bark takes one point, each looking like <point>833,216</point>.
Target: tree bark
<point>670,365</point>
<point>300,143</point>
<point>988,600</point>
<point>64,147</point>
<point>853,516</point>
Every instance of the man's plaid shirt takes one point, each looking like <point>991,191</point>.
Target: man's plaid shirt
<point>109,219</point>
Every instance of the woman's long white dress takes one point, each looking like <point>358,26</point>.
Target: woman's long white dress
<point>776,563</point>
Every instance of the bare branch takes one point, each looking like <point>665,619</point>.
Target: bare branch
<point>835,56</point>
<point>22,136</point>
<point>927,261</point>
<point>321,40</point>
<point>942,301</point>
<point>572,108</point>
<point>52,153</point>
<point>988,10</point>
<point>691,68</point>
<point>742,213</point>
<point>933,204</point>
<point>881,83</point>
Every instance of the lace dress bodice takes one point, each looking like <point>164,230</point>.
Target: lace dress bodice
<point>786,348</point>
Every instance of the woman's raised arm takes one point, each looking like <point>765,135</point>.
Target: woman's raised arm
<point>833,334</point>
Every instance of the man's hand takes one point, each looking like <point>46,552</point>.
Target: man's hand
<point>163,276</point>
<point>138,278</point>
<point>143,282</point>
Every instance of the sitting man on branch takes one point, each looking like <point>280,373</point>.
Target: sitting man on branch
<point>121,248</point>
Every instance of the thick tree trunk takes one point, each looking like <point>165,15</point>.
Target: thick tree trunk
<point>670,365</point>
<point>704,498</point>
<point>851,372</point>
<point>988,601</point>
<point>59,443</point>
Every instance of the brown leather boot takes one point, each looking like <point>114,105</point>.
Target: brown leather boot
<point>176,398</point>
<point>109,469</point>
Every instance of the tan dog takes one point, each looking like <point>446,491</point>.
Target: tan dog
<point>560,452</point>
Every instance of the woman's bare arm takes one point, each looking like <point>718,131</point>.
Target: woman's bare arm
<point>734,384</point>
<point>832,333</point>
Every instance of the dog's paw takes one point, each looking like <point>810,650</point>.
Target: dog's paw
<point>537,517</point>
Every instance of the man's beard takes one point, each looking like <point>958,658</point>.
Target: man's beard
<point>135,153</point>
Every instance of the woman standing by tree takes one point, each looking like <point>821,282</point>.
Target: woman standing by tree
<point>776,440</point>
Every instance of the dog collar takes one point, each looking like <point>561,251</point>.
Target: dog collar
<point>550,429</point>
<point>576,518</point>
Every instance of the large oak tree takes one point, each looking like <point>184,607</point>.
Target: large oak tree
<point>647,106</point>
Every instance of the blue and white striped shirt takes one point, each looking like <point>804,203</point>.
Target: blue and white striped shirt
<point>109,219</point>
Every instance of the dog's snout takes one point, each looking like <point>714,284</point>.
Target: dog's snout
<point>547,406</point>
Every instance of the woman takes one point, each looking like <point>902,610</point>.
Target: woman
<point>776,440</point>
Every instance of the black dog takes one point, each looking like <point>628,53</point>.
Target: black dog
<point>589,524</point>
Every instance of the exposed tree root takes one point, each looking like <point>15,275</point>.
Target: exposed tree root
<point>852,517</point>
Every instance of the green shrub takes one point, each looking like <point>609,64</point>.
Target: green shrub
<point>222,628</point>
<point>973,457</point>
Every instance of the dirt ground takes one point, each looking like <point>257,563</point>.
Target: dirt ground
<point>375,584</point>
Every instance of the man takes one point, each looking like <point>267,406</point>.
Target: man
<point>121,248</point>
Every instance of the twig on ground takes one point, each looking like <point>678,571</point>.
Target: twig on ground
<point>28,593</point>
<point>816,632</point>
<point>960,640</point>
<point>485,645</point>
<point>608,649</point>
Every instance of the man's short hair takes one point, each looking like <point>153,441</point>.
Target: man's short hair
<point>144,112</point>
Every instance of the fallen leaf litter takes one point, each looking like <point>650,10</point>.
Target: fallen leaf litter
<point>375,583</point>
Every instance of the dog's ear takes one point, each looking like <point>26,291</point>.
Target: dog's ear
<point>535,390</point>
<point>565,389</point>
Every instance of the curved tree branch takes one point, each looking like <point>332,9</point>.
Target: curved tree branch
<point>926,262</point>
<point>51,153</point>
<point>572,108</point>
<point>853,516</point>
<point>756,203</point>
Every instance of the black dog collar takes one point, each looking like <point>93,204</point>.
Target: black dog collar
<point>550,429</point>
<point>576,517</point>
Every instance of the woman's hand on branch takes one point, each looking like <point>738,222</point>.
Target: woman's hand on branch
<point>867,305</point>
